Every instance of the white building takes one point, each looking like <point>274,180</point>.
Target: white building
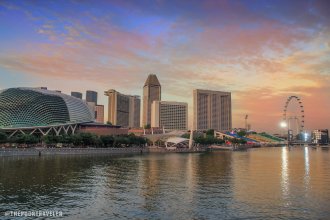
<point>169,115</point>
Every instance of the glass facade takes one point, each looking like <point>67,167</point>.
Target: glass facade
<point>30,107</point>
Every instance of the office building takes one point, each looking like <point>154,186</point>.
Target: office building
<point>91,96</point>
<point>320,136</point>
<point>123,110</point>
<point>77,95</point>
<point>212,110</point>
<point>99,113</point>
<point>169,115</point>
<point>134,112</point>
<point>151,92</point>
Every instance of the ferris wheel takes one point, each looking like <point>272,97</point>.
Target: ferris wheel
<point>298,117</point>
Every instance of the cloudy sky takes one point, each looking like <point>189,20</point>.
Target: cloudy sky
<point>261,51</point>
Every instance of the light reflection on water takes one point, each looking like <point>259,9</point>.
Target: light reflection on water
<point>285,174</point>
<point>265,183</point>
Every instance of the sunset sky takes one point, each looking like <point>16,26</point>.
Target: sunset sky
<point>261,51</point>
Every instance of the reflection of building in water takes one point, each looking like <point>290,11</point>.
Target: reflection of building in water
<point>52,173</point>
<point>215,167</point>
<point>165,176</point>
<point>252,170</point>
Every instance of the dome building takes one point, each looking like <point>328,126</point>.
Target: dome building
<point>41,110</point>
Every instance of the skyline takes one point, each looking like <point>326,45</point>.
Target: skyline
<point>271,49</point>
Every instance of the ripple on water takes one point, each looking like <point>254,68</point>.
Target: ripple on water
<point>265,183</point>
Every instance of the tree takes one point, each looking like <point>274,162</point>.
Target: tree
<point>210,132</point>
<point>107,140</point>
<point>241,133</point>
<point>77,140</point>
<point>147,126</point>
<point>109,123</point>
<point>25,139</point>
<point>3,137</point>
<point>88,139</point>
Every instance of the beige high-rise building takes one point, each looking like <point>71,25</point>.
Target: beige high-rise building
<point>123,110</point>
<point>169,115</point>
<point>151,92</point>
<point>212,110</point>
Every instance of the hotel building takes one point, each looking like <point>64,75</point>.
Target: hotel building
<point>212,110</point>
<point>134,111</point>
<point>123,110</point>
<point>169,115</point>
<point>151,92</point>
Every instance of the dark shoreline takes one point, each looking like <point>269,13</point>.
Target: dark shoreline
<point>39,151</point>
<point>69,151</point>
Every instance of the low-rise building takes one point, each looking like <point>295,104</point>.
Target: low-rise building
<point>320,136</point>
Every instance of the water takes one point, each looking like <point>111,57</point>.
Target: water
<point>265,183</point>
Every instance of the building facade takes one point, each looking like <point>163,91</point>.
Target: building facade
<point>134,111</point>
<point>123,110</point>
<point>35,110</point>
<point>77,95</point>
<point>169,115</point>
<point>212,110</point>
<point>99,113</point>
<point>91,96</point>
<point>320,136</point>
<point>151,92</point>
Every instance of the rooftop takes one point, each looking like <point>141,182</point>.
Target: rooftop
<point>152,80</point>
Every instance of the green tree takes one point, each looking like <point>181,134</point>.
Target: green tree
<point>77,140</point>
<point>147,126</point>
<point>3,137</point>
<point>210,132</point>
<point>25,139</point>
<point>241,133</point>
<point>89,139</point>
<point>107,140</point>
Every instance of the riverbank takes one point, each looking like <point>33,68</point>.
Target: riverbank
<point>39,151</point>
<point>68,151</point>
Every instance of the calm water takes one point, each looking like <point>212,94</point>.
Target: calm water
<point>266,183</point>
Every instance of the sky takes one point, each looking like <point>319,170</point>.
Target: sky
<point>260,51</point>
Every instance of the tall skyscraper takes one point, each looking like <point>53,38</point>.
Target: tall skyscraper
<point>123,110</point>
<point>91,96</point>
<point>212,110</point>
<point>169,115</point>
<point>151,92</point>
<point>77,95</point>
<point>134,111</point>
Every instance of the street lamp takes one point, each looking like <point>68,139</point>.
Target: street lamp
<point>283,125</point>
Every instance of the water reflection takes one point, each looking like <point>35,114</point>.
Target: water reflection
<point>285,172</point>
<point>306,157</point>
<point>266,183</point>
